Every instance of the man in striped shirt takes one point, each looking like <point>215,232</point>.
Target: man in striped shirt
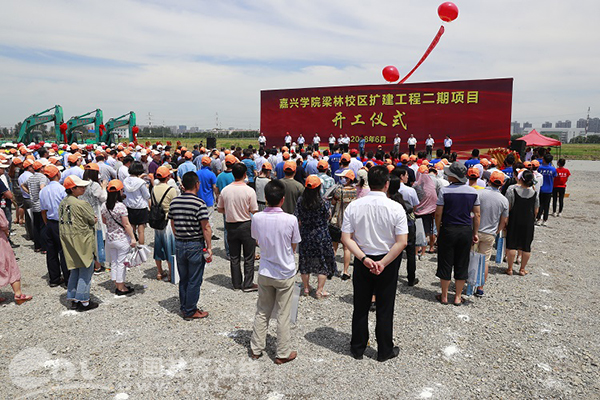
<point>189,220</point>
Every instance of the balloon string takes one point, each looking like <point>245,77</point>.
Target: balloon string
<point>434,43</point>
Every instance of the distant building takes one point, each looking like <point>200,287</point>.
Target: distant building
<point>594,125</point>
<point>527,125</point>
<point>581,122</point>
<point>547,124</point>
<point>194,129</point>
<point>182,129</point>
<point>560,124</point>
<point>516,128</point>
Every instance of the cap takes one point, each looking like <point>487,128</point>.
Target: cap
<point>74,146</point>
<point>412,158</point>
<point>312,182</point>
<point>73,158</point>
<point>230,159</point>
<point>457,170</point>
<point>527,164</point>
<point>445,161</point>
<point>347,173</point>
<point>92,166</point>
<point>315,154</point>
<point>227,151</point>
<point>114,186</point>
<point>322,165</point>
<point>390,167</point>
<point>73,181</point>
<point>388,161</point>
<point>369,164</point>
<point>37,166</point>
<point>423,169</point>
<point>484,162</point>
<point>284,149</point>
<point>404,157</point>
<point>267,165</point>
<point>493,161</point>
<point>4,165</point>
<point>143,152</point>
<point>535,163</point>
<point>17,161</point>
<point>184,149</point>
<point>188,155</point>
<point>206,160</point>
<point>497,177</point>
<point>345,157</point>
<point>162,172</point>
<point>51,171</point>
<point>27,163</point>
<point>353,152</point>
<point>425,162</point>
<point>473,172</point>
<point>439,166</point>
<point>289,166</point>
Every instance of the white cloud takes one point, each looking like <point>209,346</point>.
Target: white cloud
<point>185,60</point>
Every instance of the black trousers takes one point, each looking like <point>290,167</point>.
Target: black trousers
<point>558,193</point>
<point>544,205</point>
<point>38,231</point>
<point>429,150</point>
<point>239,236</point>
<point>411,256</point>
<point>447,150</point>
<point>411,150</point>
<point>55,259</point>
<point>383,286</point>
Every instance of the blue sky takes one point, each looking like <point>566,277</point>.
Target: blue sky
<point>184,61</point>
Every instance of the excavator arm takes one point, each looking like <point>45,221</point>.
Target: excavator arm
<point>83,120</point>
<point>114,123</point>
<point>25,133</point>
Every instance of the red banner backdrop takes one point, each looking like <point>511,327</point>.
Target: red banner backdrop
<point>475,114</point>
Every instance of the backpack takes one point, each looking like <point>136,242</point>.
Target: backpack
<point>158,218</point>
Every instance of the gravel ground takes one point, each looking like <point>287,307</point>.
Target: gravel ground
<point>529,337</point>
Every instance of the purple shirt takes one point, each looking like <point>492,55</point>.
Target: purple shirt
<point>275,231</point>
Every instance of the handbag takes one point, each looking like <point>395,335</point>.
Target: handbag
<point>476,272</point>
<point>335,231</point>
<point>137,255</point>
<point>420,237</point>
<point>500,248</point>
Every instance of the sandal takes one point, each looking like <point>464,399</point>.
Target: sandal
<point>509,272</point>
<point>306,291</point>
<point>438,297</point>
<point>522,272</point>
<point>22,298</point>
<point>462,301</point>
<point>322,295</point>
<point>159,277</point>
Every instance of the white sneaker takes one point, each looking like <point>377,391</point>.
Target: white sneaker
<point>558,215</point>
<point>554,214</point>
<point>543,223</point>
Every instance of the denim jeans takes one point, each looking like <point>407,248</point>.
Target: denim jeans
<point>80,280</point>
<point>190,264</point>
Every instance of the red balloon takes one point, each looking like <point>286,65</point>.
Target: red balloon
<point>390,73</point>
<point>63,127</point>
<point>135,130</point>
<point>448,11</point>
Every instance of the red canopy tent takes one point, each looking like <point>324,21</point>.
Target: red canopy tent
<point>534,139</point>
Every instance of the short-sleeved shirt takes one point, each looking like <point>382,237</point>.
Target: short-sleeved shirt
<point>251,166</point>
<point>187,166</point>
<point>375,221</point>
<point>224,179</point>
<point>409,195</point>
<point>293,190</point>
<point>114,217</point>
<point>562,175</point>
<point>493,206</point>
<point>207,180</point>
<point>187,211</point>
<point>525,193</point>
<point>159,191</point>
<point>276,231</point>
<point>50,198</point>
<point>549,173</point>
<point>458,200</point>
<point>34,184</point>
<point>22,179</point>
<point>239,201</point>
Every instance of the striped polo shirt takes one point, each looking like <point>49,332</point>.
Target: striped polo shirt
<point>187,211</point>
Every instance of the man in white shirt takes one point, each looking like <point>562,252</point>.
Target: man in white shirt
<point>447,145</point>
<point>300,142</point>
<point>262,140</point>
<point>277,233</point>
<point>397,141</point>
<point>316,141</point>
<point>408,193</point>
<point>288,139</point>
<point>429,142</point>
<point>331,142</point>
<point>346,142</point>
<point>355,165</point>
<point>412,143</point>
<point>375,230</point>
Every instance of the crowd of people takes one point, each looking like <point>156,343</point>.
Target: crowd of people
<point>86,208</point>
